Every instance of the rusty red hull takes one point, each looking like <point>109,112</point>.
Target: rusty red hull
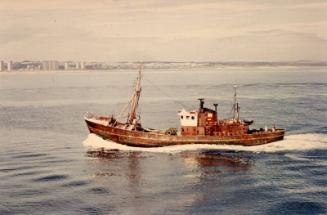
<point>149,139</point>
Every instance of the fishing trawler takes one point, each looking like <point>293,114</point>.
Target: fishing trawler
<point>199,126</point>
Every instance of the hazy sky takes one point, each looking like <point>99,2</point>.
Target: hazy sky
<point>176,30</point>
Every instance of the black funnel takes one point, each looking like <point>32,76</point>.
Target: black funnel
<point>201,103</point>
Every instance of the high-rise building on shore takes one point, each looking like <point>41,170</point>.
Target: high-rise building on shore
<point>66,66</point>
<point>82,65</point>
<point>9,66</point>
<point>2,66</point>
<point>50,65</point>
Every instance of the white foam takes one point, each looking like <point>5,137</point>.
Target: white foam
<point>296,142</point>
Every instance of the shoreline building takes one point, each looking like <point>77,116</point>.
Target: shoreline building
<point>66,66</point>
<point>50,65</point>
<point>82,65</point>
<point>2,66</point>
<point>9,66</point>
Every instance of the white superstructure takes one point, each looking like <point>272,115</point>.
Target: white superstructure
<point>188,118</point>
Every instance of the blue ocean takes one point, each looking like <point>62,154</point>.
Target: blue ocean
<point>50,164</point>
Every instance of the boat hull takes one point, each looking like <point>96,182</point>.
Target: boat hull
<point>150,139</point>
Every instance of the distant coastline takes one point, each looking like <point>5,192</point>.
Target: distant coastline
<point>71,66</point>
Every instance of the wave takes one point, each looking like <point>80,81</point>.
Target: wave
<point>296,142</point>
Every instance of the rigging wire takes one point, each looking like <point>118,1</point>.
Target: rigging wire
<point>167,95</point>
<point>123,113</point>
<point>131,104</point>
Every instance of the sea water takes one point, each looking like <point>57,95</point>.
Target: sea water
<point>50,164</point>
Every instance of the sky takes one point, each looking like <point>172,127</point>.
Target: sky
<point>163,30</point>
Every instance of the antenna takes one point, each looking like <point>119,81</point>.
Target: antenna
<point>236,107</point>
<point>238,111</point>
<point>235,104</point>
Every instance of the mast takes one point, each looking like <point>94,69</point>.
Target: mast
<point>132,117</point>
<point>236,108</point>
<point>238,111</point>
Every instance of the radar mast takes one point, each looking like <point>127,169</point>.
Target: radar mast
<point>236,107</point>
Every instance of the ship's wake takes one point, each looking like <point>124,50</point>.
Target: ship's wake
<point>296,142</point>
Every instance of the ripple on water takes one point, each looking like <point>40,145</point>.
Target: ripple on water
<point>27,173</point>
<point>91,210</point>
<point>99,190</point>
<point>49,178</point>
<point>46,206</point>
<point>57,161</point>
<point>29,192</point>
<point>320,182</point>
<point>76,183</point>
<point>298,207</point>
<point>317,172</point>
<point>298,167</point>
<point>30,155</point>
<point>9,169</point>
<point>13,169</point>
